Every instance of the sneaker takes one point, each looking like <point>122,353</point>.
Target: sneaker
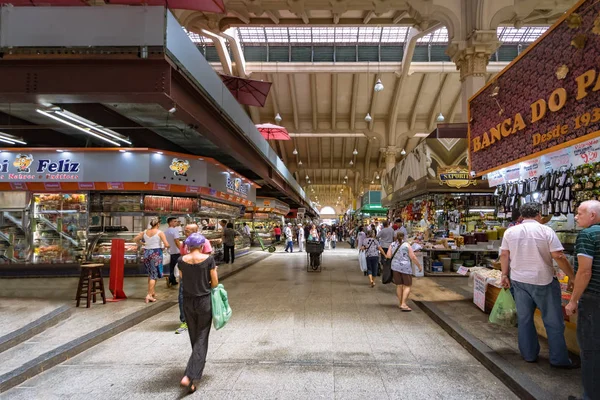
<point>182,328</point>
<point>168,282</point>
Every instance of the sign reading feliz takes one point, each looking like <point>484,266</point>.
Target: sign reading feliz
<point>24,168</point>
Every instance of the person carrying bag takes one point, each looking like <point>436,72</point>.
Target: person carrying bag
<point>372,254</point>
<point>400,268</point>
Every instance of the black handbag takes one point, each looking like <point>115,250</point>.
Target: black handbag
<point>388,276</point>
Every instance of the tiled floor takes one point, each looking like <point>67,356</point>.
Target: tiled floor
<point>293,335</point>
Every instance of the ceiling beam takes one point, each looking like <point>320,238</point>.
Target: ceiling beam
<point>241,15</point>
<point>368,158</point>
<point>452,112</point>
<point>374,96</point>
<point>400,15</point>
<point>320,146</point>
<point>274,95</point>
<point>355,79</point>
<point>313,96</point>
<point>261,21</point>
<point>273,15</point>
<point>331,152</point>
<point>413,113</point>
<point>352,67</point>
<point>343,152</point>
<point>292,82</point>
<point>368,17</point>
<point>307,153</point>
<point>334,96</point>
<point>435,106</point>
<point>381,157</point>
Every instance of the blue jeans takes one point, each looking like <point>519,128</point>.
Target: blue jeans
<point>333,244</point>
<point>548,299</point>
<point>289,245</point>
<point>181,314</point>
<point>588,336</point>
<point>372,265</point>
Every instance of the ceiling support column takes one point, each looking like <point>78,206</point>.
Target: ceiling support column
<point>390,157</point>
<point>471,57</point>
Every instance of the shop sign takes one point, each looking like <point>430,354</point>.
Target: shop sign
<point>163,187</point>
<point>52,185</point>
<point>479,288</point>
<point>115,186</point>
<point>87,186</point>
<point>18,186</point>
<point>26,167</point>
<point>192,189</point>
<point>455,176</point>
<point>236,186</point>
<point>516,118</point>
<point>179,167</point>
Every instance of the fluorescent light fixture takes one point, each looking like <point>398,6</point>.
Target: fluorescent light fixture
<point>123,151</point>
<point>59,150</point>
<point>172,110</point>
<point>6,141</point>
<point>10,138</point>
<point>160,152</point>
<point>201,159</point>
<point>482,210</point>
<point>82,129</point>
<point>97,128</point>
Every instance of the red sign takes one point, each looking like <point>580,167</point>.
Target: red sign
<point>115,186</point>
<point>87,185</point>
<point>192,189</point>
<point>164,187</point>
<point>52,185</point>
<point>547,99</point>
<point>18,186</point>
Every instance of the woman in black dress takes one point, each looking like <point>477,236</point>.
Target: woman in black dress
<point>200,276</point>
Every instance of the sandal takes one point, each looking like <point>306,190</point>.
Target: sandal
<point>372,284</point>
<point>405,309</point>
<point>149,299</point>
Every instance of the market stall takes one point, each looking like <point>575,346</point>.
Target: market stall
<point>538,139</point>
<point>65,207</point>
<point>264,216</point>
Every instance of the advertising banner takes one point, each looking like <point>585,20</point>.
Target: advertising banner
<point>547,99</point>
<point>455,176</point>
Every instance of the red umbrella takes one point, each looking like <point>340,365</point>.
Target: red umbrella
<point>18,3</point>
<point>213,6</point>
<point>247,91</point>
<point>273,132</point>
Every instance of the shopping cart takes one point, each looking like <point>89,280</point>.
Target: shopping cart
<point>270,249</point>
<point>314,255</point>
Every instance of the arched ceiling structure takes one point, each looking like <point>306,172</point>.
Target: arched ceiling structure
<point>325,56</point>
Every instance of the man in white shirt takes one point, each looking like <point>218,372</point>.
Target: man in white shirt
<point>173,233</point>
<point>247,229</point>
<point>527,252</point>
<point>289,238</point>
<point>385,236</point>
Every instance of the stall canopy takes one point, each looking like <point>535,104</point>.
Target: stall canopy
<point>247,91</point>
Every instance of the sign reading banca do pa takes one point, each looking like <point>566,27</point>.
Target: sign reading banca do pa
<point>547,99</point>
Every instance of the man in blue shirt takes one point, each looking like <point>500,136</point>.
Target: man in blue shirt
<point>585,300</point>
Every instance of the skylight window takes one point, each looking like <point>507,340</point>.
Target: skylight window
<point>508,34</point>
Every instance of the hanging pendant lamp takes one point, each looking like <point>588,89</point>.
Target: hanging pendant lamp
<point>278,118</point>
<point>378,86</point>
<point>368,118</point>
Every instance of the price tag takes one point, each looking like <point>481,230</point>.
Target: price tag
<point>462,270</point>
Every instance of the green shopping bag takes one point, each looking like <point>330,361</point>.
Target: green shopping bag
<point>504,312</point>
<point>220,306</point>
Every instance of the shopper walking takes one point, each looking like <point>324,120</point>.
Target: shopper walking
<point>526,257</point>
<point>386,236</point>
<point>585,300</point>
<point>229,235</point>
<point>289,238</point>
<point>154,239</point>
<point>277,233</point>
<point>401,254</point>
<point>401,228</point>
<point>200,274</point>
<point>172,235</point>
<point>360,237</point>
<point>301,239</point>
<point>373,249</point>
<point>334,240</point>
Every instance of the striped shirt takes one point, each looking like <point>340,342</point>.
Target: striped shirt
<point>588,245</point>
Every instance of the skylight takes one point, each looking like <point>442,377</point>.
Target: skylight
<point>507,34</point>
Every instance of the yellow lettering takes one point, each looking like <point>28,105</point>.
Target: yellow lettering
<point>564,129</point>
<point>506,127</point>
<point>584,81</point>
<point>495,134</point>
<point>537,139</point>
<point>557,99</point>
<point>485,142</point>
<point>519,123</point>
<point>476,144</point>
<point>538,110</point>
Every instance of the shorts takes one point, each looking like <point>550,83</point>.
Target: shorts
<point>402,279</point>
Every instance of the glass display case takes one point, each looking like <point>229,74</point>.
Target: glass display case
<point>100,247</point>
<point>263,224</point>
<point>59,225</point>
<point>14,243</point>
<point>216,209</point>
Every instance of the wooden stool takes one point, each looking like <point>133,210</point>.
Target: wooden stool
<point>90,284</point>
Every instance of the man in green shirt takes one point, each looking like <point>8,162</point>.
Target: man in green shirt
<point>585,300</point>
